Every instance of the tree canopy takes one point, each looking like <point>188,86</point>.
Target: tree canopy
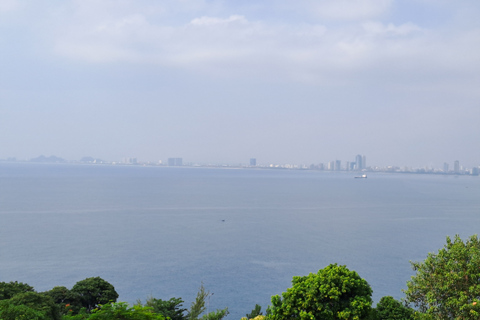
<point>169,309</point>
<point>390,309</point>
<point>66,300</point>
<point>333,293</point>
<point>29,305</point>
<point>9,289</point>
<point>94,292</point>
<point>447,284</point>
<point>122,311</point>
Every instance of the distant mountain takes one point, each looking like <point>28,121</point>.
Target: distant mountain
<point>51,159</point>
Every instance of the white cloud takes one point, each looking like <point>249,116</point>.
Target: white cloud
<point>350,9</point>
<point>234,45</point>
<point>209,21</point>
<point>229,44</point>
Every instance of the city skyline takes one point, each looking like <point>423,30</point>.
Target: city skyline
<point>357,165</point>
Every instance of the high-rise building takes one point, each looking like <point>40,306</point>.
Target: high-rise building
<point>253,162</point>
<point>175,162</point>
<point>352,166</point>
<point>475,171</point>
<point>338,165</point>
<point>456,166</point>
<point>331,166</point>
<point>130,160</point>
<point>358,162</point>
<point>445,167</point>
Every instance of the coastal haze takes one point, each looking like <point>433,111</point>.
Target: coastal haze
<point>220,82</point>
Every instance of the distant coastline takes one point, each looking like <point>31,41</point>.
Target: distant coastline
<point>458,171</point>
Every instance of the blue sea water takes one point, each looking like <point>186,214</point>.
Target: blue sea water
<point>243,233</point>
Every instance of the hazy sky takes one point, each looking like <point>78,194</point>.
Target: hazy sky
<point>284,81</point>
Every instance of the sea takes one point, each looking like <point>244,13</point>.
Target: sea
<point>241,233</point>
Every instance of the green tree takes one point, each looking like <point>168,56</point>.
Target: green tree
<point>82,314</point>
<point>9,289</point>
<point>333,293</point>
<point>29,305</point>
<point>66,300</point>
<point>59,294</point>
<point>219,314</point>
<point>390,309</point>
<point>255,312</point>
<point>93,292</point>
<point>198,307</point>
<point>169,309</point>
<point>447,284</point>
<point>10,311</point>
<point>122,311</point>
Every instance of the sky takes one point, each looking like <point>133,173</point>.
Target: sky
<point>211,81</point>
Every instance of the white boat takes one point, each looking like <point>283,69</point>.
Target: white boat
<point>363,176</point>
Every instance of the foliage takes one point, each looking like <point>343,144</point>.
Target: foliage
<point>93,292</point>
<point>59,294</point>
<point>94,298</point>
<point>66,300</point>
<point>333,293</point>
<point>9,289</point>
<point>390,309</point>
<point>13,312</point>
<point>216,315</point>
<point>259,317</point>
<point>171,308</point>
<point>29,305</point>
<point>447,284</point>
<point>82,314</point>
<point>122,311</point>
<point>255,312</point>
<point>198,306</point>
